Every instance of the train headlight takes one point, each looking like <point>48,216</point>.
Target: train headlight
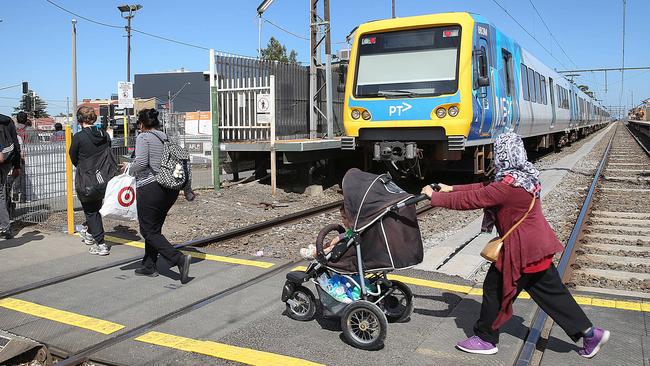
<point>453,111</point>
<point>365,115</point>
<point>441,112</point>
<point>355,114</point>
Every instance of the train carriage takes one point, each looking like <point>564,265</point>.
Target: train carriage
<point>432,92</point>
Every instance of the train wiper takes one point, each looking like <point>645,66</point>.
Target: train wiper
<point>398,93</point>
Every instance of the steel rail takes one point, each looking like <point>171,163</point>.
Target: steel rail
<point>638,140</point>
<point>230,234</point>
<point>84,354</point>
<point>527,351</point>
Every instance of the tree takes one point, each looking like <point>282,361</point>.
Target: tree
<point>27,103</point>
<point>275,51</point>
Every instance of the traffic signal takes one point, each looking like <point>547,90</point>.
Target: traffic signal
<point>25,87</point>
<point>27,103</point>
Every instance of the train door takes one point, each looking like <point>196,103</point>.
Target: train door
<point>507,96</point>
<point>484,82</point>
<point>551,87</point>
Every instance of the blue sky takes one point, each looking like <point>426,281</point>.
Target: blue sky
<point>35,38</point>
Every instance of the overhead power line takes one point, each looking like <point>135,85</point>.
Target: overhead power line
<point>527,32</point>
<point>132,29</point>
<point>551,33</point>
<point>285,30</point>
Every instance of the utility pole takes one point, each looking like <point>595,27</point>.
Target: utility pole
<point>393,9</point>
<point>623,63</point>
<point>74,66</point>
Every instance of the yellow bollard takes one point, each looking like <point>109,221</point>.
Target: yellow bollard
<point>126,131</point>
<point>68,180</point>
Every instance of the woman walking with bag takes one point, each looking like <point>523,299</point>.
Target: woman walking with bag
<point>525,261</point>
<point>153,200</point>
<point>91,153</point>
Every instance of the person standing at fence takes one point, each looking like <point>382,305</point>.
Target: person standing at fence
<point>91,153</point>
<point>9,162</point>
<point>58,135</point>
<point>153,200</point>
<point>19,183</point>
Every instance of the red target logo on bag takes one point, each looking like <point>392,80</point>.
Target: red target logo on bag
<point>126,196</point>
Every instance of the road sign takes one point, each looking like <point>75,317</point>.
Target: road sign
<point>263,108</point>
<point>125,94</point>
<point>263,103</point>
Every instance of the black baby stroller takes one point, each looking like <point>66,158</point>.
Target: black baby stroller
<point>384,236</point>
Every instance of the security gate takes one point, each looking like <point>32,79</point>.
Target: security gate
<point>246,109</point>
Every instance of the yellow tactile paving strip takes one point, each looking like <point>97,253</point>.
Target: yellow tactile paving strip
<point>219,350</point>
<point>203,256</point>
<point>474,291</point>
<point>61,316</point>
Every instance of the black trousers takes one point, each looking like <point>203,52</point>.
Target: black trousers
<point>94,220</point>
<point>546,289</point>
<point>154,202</point>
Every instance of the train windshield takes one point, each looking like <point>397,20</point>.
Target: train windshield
<point>420,62</point>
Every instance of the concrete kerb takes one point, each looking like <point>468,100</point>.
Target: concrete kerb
<point>471,243</point>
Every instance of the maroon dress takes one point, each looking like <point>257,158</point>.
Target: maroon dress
<point>531,243</point>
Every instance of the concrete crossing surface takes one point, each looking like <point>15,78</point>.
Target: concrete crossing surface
<point>248,325</point>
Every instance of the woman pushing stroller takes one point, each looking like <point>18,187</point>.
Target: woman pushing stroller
<point>526,260</point>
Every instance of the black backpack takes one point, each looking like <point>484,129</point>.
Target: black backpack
<point>93,174</point>
<point>6,140</point>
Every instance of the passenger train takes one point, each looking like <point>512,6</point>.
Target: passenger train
<point>433,91</point>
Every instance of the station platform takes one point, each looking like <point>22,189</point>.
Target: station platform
<point>248,326</point>
<point>295,145</point>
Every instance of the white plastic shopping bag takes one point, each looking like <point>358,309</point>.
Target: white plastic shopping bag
<point>119,200</point>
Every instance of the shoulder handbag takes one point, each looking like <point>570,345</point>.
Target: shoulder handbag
<point>492,249</point>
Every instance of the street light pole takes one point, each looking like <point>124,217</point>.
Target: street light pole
<point>260,11</point>
<point>128,12</point>
<point>74,67</point>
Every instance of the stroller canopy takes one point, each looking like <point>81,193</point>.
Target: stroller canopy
<point>389,240</point>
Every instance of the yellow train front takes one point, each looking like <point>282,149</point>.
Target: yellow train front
<point>431,92</point>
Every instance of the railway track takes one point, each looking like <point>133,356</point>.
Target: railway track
<point>85,355</point>
<point>609,248</point>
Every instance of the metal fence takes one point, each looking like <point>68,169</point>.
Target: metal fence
<point>291,93</point>
<point>40,189</point>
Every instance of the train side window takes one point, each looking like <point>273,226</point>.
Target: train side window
<point>524,82</point>
<point>543,89</point>
<point>538,94</point>
<point>531,84</point>
<point>508,70</point>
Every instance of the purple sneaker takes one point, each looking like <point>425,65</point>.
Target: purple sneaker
<point>474,344</point>
<point>592,344</point>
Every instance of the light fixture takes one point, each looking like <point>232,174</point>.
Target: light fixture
<point>365,115</point>
<point>453,111</point>
<point>263,6</point>
<point>355,114</point>
<point>441,112</point>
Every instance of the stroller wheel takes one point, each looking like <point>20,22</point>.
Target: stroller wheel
<point>364,325</point>
<point>301,305</point>
<point>398,306</point>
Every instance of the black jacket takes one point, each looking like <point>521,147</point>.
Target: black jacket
<point>88,142</point>
<point>9,137</point>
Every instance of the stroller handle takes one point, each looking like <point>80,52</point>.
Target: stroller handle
<point>415,199</point>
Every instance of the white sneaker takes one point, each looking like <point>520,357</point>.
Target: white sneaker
<point>94,249</point>
<point>104,249</point>
<point>309,252</point>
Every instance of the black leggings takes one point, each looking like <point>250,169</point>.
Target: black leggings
<point>546,289</point>
<point>154,202</point>
<point>94,220</point>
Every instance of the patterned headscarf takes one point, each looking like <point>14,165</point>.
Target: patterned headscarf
<point>511,163</point>
<point>512,167</point>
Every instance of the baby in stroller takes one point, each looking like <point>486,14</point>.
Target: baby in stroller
<point>383,236</point>
<point>310,251</point>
